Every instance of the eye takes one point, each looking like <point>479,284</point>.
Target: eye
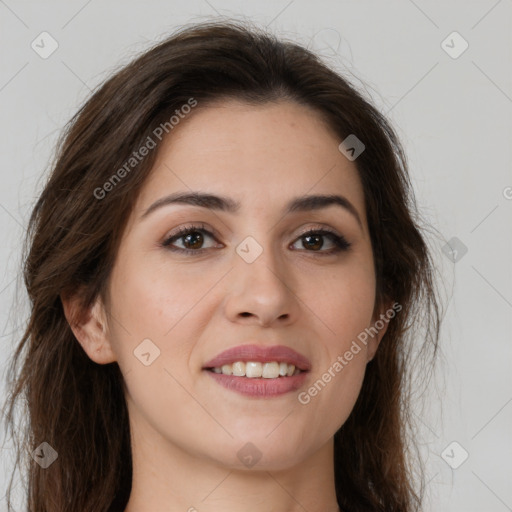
<point>192,238</point>
<point>312,241</point>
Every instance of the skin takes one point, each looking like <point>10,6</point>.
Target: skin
<point>186,429</point>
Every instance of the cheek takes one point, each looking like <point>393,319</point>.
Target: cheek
<point>153,297</point>
<point>345,307</point>
<point>152,302</point>
<point>344,300</point>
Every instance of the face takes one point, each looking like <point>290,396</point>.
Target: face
<point>244,274</point>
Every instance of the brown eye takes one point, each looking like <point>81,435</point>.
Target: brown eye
<point>313,241</point>
<point>192,239</point>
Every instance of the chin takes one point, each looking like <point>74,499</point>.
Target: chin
<point>259,454</point>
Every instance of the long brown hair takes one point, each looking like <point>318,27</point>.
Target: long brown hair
<point>78,406</point>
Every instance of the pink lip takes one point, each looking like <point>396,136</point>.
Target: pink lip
<point>259,388</point>
<point>261,354</point>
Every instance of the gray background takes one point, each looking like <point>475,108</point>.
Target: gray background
<point>454,118</point>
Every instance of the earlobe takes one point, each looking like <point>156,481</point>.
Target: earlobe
<point>90,328</point>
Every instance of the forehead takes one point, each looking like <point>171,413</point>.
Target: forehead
<point>259,155</point>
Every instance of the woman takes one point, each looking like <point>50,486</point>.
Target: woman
<point>225,273</point>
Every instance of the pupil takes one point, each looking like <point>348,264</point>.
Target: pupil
<point>318,239</point>
<point>191,236</point>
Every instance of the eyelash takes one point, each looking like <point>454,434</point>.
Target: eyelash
<point>340,242</point>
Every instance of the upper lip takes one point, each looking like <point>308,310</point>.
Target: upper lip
<point>261,354</point>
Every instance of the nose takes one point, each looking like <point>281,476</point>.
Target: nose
<point>261,292</point>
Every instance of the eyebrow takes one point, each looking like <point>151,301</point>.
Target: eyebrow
<point>226,204</point>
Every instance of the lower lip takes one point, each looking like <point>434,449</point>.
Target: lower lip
<point>257,387</point>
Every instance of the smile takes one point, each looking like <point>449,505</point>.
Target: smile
<point>255,369</point>
<point>259,371</point>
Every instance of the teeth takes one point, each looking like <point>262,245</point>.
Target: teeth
<point>226,369</point>
<point>271,370</point>
<point>238,369</point>
<point>253,369</point>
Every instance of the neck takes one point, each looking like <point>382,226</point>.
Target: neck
<point>166,477</point>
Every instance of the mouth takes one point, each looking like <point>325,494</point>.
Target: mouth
<point>258,371</point>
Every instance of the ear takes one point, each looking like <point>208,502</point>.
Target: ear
<point>380,321</point>
<point>90,327</point>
